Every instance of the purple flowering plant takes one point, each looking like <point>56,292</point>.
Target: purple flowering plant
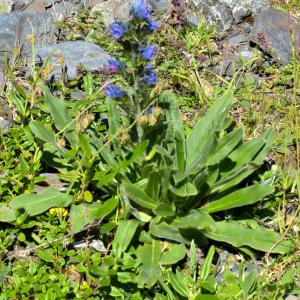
<point>138,76</point>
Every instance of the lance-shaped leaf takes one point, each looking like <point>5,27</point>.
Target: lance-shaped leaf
<point>36,204</point>
<point>150,270</point>
<point>138,196</point>
<point>239,235</point>
<point>241,197</point>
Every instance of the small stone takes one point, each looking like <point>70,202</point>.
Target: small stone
<point>238,39</point>
<point>292,297</point>
<point>4,125</point>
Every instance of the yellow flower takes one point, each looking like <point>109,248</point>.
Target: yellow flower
<point>58,211</point>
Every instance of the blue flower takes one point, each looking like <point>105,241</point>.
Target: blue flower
<point>114,65</point>
<point>150,75</point>
<point>152,25</point>
<point>141,10</point>
<point>118,29</point>
<point>148,52</point>
<point>113,91</point>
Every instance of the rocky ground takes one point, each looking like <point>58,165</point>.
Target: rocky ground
<point>246,30</point>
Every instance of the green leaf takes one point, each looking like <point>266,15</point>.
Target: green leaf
<point>185,190</point>
<point>241,197</point>
<point>180,151</point>
<point>177,283</point>
<point>225,146</point>
<point>150,270</point>
<point>249,283</point>
<point>36,204</point>
<point>253,150</point>
<point>163,210</point>
<point>103,209</point>
<point>205,270</point>
<point>138,196</point>
<point>85,145</point>
<point>233,179</point>
<point>57,109</point>
<point>40,131</point>
<point>173,116</point>
<point>18,103</point>
<point>173,255</point>
<point>45,254</point>
<point>7,215</point>
<point>125,232</point>
<point>204,131</point>
<point>154,185</point>
<point>136,155</point>
<point>61,117</point>
<point>80,217</point>
<point>238,235</point>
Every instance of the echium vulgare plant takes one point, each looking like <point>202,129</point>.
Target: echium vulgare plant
<point>134,97</point>
<point>175,184</point>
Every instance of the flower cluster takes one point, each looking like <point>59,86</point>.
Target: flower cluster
<point>114,66</point>
<point>139,51</point>
<point>117,29</point>
<point>148,52</point>
<point>113,91</point>
<point>150,76</point>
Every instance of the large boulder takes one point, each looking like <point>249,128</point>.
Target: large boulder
<point>75,54</point>
<point>16,32</point>
<point>272,31</point>
<point>225,13</point>
<point>120,9</point>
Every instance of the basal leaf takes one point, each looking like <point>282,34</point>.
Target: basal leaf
<point>150,270</point>
<point>138,196</point>
<point>80,216</point>
<point>36,204</point>
<point>173,255</point>
<point>241,197</point>
<point>238,235</point>
<point>185,190</point>
<point>125,232</point>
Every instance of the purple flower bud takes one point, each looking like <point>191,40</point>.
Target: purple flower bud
<point>113,91</point>
<point>114,66</point>
<point>148,52</point>
<point>140,10</point>
<point>150,75</point>
<point>118,29</point>
<point>152,25</point>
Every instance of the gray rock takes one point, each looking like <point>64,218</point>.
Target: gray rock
<point>16,28</point>
<point>75,53</point>
<point>230,64</point>
<point>51,180</point>
<point>4,125</point>
<point>18,5</point>
<point>272,34</point>
<point>113,10</point>
<point>238,39</point>
<point>225,13</point>
<point>160,5</point>
<point>292,297</point>
<point>63,10</point>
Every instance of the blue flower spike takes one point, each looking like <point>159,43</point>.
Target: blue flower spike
<point>148,52</point>
<point>117,29</point>
<point>114,66</point>
<point>150,76</point>
<point>140,10</point>
<point>152,25</point>
<point>113,91</point>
